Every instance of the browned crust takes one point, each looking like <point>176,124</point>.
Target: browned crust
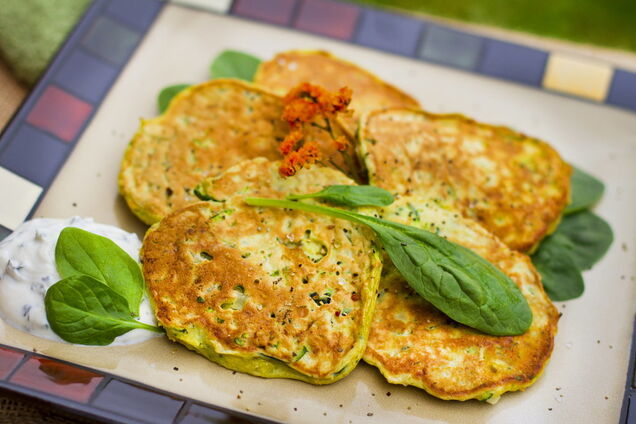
<point>521,210</point>
<point>207,128</point>
<point>449,360</point>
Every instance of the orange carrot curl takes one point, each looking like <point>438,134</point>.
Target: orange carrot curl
<point>302,105</point>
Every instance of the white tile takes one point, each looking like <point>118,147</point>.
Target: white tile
<point>17,197</point>
<point>221,6</point>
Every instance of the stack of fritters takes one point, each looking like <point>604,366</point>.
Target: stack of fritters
<point>279,293</point>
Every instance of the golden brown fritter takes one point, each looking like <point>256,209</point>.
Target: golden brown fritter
<point>207,128</point>
<point>412,343</point>
<point>513,185</point>
<point>269,292</point>
<point>291,68</point>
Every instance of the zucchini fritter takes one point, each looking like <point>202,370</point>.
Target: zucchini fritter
<point>207,128</point>
<point>269,292</point>
<point>513,185</point>
<point>413,343</point>
<point>288,69</point>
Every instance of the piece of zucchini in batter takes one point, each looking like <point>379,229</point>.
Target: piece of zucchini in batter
<point>413,343</point>
<point>206,129</point>
<point>513,185</point>
<point>269,292</point>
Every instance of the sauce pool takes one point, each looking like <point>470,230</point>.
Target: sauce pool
<point>27,270</point>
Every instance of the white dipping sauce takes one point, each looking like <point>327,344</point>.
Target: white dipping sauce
<point>27,270</point>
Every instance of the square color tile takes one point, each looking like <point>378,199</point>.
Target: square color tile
<point>8,358</point>
<point>273,11</point>
<point>450,47</point>
<point>513,62</point>
<point>631,411</point>
<point>139,14</point>
<point>34,155</point>
<point>198,414</point>
<point>110,40</point>
<point>59,113</point>
<point>578,77</point>
<point>56,378</point>
<point>328,17</point>
<point>137,403</point>
<point>623,90</point>
<point>389,32</point>
<point>220,6</point>
<point>22,194</point>
<point>4,232</point>
<point>85,76</point>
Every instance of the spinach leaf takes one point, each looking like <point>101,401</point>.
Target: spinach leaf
<point>454,279</point>
<point>560,276</point>
<point>580,241</point>
<point>79,252</point>
<point>586,191</point>
<point>82,310</point>
<point>234,64</point>
<point>166,95</point>
<point>350,195</point>
<point>586,237</point>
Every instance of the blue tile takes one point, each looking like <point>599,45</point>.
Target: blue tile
<point>198,414</point>
<point>389,32</point>
<point>139,14</point>
<point>85,76</point>
<point>34,155</point>
<point>450,47</point>
<point>513,62</point>
<point>110,40</point>
<point>4,232</point>
<point>631,409</point>
<point>137,403</point>
<point>622,91</point>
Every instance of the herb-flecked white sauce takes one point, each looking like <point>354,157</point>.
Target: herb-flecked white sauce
<point>27,270</point>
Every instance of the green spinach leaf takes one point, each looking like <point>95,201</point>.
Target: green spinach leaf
<point>350,195</point>
<point>80,252</point>
<point>454,279</point>
<point>586,237</point>
<point>560,276</point>
<point>586,191</point>
<point>82,310</point>
<point>234,64</point>
<point>580,241</point>
<point>166,95</point>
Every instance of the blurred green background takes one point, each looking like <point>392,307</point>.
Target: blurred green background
<point>608,23</point>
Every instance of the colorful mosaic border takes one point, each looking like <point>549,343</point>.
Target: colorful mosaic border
<point>102,396</point>
<point>41,136</point>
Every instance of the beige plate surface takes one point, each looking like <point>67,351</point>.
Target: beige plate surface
<point>592,347</point>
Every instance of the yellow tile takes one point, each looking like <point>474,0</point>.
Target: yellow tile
<point>578,77</point>
<point>221,6</point>
<point>17,197</point>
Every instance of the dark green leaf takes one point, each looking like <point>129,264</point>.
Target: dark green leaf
<point>82,310</point>
<point>233,64</point>
<point>166,95</point>
<point>79,252</point>
<point>560,276</point>
<point>586,191</point>
<point>454,279</point>
<point>350,195</point>
<point>586,237</point>
<point>580,241</point>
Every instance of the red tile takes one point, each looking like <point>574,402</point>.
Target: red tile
<point>8,360</point>
<point>56,378</point>
<point>327,17</point>
<point>272,11</point>
<point>59,113</point>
